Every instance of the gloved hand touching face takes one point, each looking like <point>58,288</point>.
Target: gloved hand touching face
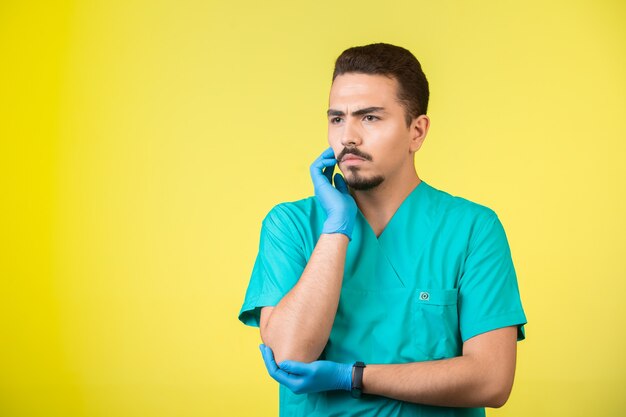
<point>340,207</point>
<point>304,378</point>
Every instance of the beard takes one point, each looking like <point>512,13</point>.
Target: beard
<point>361,183</point>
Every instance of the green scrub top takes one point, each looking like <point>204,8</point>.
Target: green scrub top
<point>440,273</point>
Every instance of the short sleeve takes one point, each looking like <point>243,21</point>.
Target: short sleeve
<point>278,265</point>
<point>489,295</point>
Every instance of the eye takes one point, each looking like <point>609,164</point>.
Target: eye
<point>335,120</point>
<point>370,118</point>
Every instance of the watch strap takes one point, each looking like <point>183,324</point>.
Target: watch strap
<point>357,379</point>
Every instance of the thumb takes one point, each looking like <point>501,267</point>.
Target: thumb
<point>293,367</point>
<point>340,183</point>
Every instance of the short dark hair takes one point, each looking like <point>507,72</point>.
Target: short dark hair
<point>394,62</point>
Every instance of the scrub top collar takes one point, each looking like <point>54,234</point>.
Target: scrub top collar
<point>412,205</point>
<point>403,239</point>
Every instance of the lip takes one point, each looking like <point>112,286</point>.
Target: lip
<point>352,160</point>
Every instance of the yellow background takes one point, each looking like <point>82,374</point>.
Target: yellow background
<point>142,143</point>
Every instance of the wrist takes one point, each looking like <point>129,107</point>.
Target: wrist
<point>346,379</point>
<point>338,227</point>
<point>337,236</point>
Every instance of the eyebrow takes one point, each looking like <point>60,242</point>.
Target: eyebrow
<point>360,112</point>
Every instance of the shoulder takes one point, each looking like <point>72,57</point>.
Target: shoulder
<point>479,224</point>
<point>293,217</point>
<point>460,216</point>
<point>474,227</point>
<point>291,210</point>
<point>454,206</point>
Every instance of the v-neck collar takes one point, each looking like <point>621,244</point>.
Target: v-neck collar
<point>399,245</point>
<point>406,204</point>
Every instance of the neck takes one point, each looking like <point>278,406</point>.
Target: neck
<point>379,204</point>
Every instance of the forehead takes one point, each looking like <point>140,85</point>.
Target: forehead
<point>363,90</point>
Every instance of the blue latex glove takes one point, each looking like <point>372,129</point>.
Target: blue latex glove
<point>304,378</point>
<point>339,205</point>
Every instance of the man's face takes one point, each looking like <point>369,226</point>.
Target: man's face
<point>367,129</point>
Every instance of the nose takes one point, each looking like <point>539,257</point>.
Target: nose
<point>350,136</point>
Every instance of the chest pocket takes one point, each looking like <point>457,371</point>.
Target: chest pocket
<point>436,323</point>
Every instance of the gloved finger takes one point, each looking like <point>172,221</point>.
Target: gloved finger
<point>268,358</point>
<point>288,380</point>
<point>322,179</point>
<point>320,163</point>
<point>328,172</point>
<point>275,372</point>
<point>328,153</point>
<point>340,183</point>
<point>295,368</point>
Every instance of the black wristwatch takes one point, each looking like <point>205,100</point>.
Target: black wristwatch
<point>357,379</point>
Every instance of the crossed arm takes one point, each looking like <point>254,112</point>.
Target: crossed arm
<point>298,327</point>
<point>481,377</point>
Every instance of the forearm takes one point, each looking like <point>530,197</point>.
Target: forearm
<point>482,377</point>
<point>456,382</point>
<point>299,325</point>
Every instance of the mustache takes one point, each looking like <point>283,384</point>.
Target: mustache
<point>353,151</point>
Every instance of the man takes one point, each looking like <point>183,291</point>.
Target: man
<point>382,295</point>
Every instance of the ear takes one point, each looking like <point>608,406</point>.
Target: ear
<point>419,129</point>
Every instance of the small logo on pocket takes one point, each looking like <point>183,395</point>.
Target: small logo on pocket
<point>424,296</point>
